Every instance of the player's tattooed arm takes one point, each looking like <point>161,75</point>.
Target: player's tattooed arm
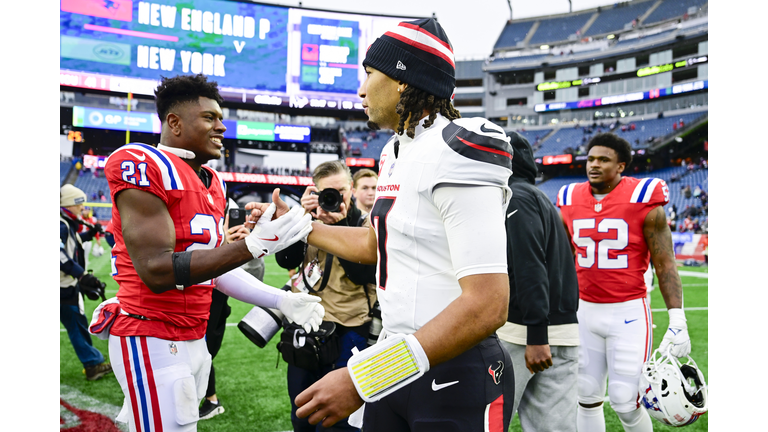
<point>659,239</point>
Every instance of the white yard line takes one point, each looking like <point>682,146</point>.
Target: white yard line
<point>686,309</point>
<point>693,274</point>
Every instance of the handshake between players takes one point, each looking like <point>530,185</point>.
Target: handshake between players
<point>273,228</point>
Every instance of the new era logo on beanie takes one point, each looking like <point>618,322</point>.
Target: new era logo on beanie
<point>417,53</point>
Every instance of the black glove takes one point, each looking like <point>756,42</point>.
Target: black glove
<point>92,287</point>
<point>97,228</point>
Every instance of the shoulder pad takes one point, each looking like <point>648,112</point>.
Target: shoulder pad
<point>144,153</point>
<point>480,140</point>
<point>565,195</point>
<point>650,190</point>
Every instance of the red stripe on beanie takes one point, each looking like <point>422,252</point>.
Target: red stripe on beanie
<point>421,30</point>
<point>420,46</point>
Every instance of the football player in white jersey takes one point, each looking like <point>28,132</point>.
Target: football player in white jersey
<point>437,234</point>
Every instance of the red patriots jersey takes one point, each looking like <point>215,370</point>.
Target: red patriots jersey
<point>611,252</point>
<point>198,218</point>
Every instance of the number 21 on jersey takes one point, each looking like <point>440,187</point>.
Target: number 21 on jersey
<point>598,251</point>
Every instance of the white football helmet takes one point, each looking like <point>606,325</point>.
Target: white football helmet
<point>673,393</point>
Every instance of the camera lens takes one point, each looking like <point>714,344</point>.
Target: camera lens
<point>330,200</point>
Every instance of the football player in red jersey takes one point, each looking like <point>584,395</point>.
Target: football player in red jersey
<point>170,253</point>
<point>617,224</point>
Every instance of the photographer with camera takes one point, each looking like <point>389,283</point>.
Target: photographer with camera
<point>74,280</point>
<point>346,289</point>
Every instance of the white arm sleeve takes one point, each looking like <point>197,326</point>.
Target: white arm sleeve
<point>241,285</point>
<point>473,217</point>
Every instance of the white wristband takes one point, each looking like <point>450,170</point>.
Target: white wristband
<point>677,318</point>
<point>387,366</point>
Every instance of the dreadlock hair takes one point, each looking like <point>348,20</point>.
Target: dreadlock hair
<point>183,89</point>
<point>412,104</point>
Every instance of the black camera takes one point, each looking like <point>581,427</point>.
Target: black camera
<point>329,199</point>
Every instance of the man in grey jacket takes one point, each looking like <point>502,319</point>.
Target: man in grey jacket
<point>541,333</point>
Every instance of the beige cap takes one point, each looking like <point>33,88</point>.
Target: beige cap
<point>70,196</point>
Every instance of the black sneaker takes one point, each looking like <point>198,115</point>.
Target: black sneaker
<point>209,409</point>
<point>95,372</point>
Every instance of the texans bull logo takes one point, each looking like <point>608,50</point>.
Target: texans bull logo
<point>496,372</point>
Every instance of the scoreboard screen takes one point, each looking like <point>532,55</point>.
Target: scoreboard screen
<point>260,54</point>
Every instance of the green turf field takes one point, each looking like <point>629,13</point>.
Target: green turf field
<point>250,381</point>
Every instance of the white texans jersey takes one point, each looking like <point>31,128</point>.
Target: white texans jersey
<point>417,275</point>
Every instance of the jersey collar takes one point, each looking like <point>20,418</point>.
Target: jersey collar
<point>182,153</point>
<point>405,139</point>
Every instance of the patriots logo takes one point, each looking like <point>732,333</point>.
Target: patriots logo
<point>650,404</point>
<point>496,372</point>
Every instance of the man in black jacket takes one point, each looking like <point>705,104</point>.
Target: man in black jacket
<point>541,333</point>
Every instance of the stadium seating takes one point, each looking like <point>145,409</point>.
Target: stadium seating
<point>615,18</point>
<point>92,185</point>
<point>559,29</point>
<point>644,40</point>
<point>368,143</point>
<point>534,136</point>
<point>512,34</point>
<point>643,135</point>
<point>521,59</point>
<point>670,9</point>
<point>64,168</point>
<point>608,20</point>
<point>646,130</point>
<point>560,140</point>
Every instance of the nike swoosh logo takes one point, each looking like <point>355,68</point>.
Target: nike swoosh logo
<point>274,239</point>
<point>436,387</point>
<point>513,212</point>
<point>627,322</point>
<point>141,158</point>
<point>485,129</point>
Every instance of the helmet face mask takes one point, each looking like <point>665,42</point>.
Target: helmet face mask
<point>674,393</point>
